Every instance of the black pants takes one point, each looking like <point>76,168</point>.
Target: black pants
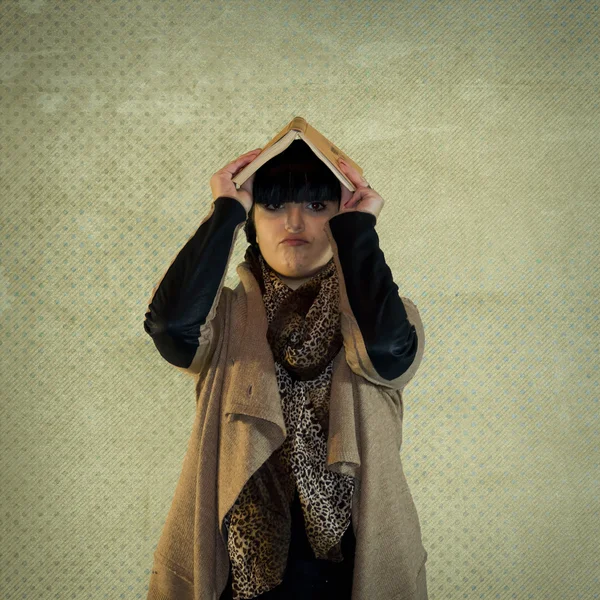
<point>306,577</point>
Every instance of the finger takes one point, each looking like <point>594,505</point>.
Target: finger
<point>247,155</point>
<point>348,171</point>
<point>352,175</point>
<point>349,202</point>
<point>245,158</point>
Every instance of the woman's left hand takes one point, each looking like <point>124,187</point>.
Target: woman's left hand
<point>363,199</point>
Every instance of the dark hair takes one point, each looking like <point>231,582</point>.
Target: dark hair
<point>295,175</point>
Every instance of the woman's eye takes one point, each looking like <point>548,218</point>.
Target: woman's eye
<point>278,205</point>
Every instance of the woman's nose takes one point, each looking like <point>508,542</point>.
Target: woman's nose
<point>294,216</point>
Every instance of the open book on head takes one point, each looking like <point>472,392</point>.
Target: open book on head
<point>298,128</point>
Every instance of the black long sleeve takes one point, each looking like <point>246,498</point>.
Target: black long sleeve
<point>188,289</point>
<point>390,339</point>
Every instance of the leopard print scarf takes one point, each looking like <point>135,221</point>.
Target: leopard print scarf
<point>304,334</point>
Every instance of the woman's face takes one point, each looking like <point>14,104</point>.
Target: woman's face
<point>294,264</point>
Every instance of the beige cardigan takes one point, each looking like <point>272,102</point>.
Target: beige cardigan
<point>239,423</point>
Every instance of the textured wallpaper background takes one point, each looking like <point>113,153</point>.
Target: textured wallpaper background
<point>478,123</point>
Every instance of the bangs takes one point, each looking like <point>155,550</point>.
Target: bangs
<point>296,175</point>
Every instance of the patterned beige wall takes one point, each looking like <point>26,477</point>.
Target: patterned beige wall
<point>479,124</point>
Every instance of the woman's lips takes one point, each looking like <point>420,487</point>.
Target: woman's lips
<point>294,242</point>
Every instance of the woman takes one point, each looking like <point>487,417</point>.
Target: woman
<point>289,531</point>
<point>293,196</point>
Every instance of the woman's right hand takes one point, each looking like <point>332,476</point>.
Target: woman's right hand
<point>221,184</point>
